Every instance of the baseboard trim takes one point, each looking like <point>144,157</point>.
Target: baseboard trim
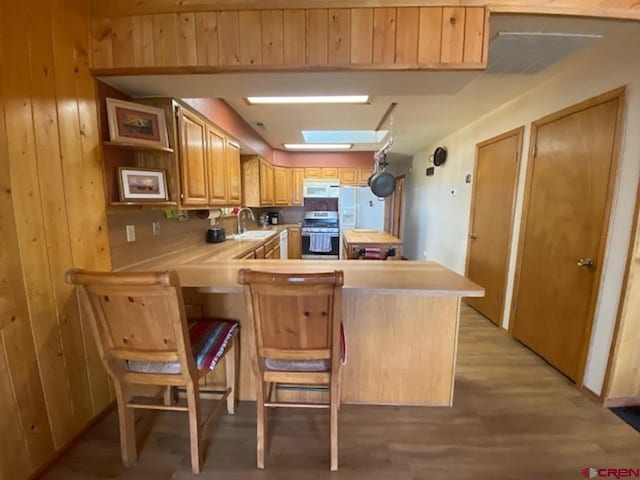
<point>591,395</point>
<point>57,455</point>
<point>622,402</point>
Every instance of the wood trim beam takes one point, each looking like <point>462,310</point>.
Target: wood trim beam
<point>624,9</point>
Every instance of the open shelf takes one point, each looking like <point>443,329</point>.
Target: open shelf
<point>135,146</point>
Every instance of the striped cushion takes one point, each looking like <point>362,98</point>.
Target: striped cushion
<point>208,337</point>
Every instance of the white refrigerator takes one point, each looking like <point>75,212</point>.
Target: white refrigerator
<point>360,208</point>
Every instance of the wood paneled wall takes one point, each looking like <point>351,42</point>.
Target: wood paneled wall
<point>52,217</point>
<point>623,381</point>
<point>373,38</point>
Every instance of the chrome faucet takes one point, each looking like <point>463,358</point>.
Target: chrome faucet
<point>241,226</point>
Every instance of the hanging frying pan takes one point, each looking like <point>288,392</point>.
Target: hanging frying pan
<point>439,156</point>
<point>382,184</point>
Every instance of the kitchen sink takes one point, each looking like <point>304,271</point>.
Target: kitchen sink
<point>254,235</point>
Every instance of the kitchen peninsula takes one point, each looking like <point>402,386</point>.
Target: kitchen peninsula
<point>401,318</point>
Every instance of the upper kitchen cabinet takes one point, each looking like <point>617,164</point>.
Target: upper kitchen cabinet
<point>194,156</point>
<point>234,186</point>
<point>328,173</point>
<point>203,170</point>
<point>297,180</point>
<point>257,182</point>
<point>348,176</point>
<point>223,164</point>
<point>282,185</point>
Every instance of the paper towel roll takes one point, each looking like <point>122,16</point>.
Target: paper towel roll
<point>210,215</point>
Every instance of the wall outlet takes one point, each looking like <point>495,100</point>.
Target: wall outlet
<point>155,228</point>
<point>131,233</point>
<point>424,254</point>
<point>453,192</point>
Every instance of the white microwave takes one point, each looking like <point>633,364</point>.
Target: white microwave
<point>321,188</point>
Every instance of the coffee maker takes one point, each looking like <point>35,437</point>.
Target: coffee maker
<point>275,218</point>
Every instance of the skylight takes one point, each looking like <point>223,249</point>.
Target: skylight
<point>309,99</point>
<point>344,136</point>
<point>317,146</point>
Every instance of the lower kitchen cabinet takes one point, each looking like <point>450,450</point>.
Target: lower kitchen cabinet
<point>295,242</point>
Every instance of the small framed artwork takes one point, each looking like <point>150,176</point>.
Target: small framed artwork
<point>135,123</point>
<point>142,184</point>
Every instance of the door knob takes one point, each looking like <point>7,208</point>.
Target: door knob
<point>473,236</point>
<point>585,262</point>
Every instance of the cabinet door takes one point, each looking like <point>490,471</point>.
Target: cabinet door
<point>294,242</point>
<point>216,163</point>
<point>193,159</point>
<point>282,185</point>
<point>266,184</point>
<point>330,173</point>
<point>297,179</point>
<point>313,172</point>
<point>348,176</point>
<point>276,253</point>
<point>234,192</point>
<point>259,252</point>
<point>363,175</point>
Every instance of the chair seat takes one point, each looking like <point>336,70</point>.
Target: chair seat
<point>280,365</point>
<point>208,337</point>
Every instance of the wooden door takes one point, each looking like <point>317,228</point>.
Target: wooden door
<point>297,179</point>
<point>398,207</point>
<point>193,162</point>
<point>570,180</point>
<point>281,185</point>
<point>491,221</point>
<point>216,166</point>
<point>234,187</point>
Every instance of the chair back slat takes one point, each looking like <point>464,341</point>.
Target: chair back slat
<point>294,315</point>
<point>138,316</point>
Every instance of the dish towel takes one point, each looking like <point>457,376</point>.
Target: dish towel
<point>320,242</point>
<point>372,254</point>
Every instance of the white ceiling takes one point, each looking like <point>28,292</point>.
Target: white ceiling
<point>430,104</point>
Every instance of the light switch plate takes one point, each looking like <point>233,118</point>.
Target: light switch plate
<point>131,233</point>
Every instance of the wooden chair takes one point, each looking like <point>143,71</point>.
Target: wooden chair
<point>296,320</point>
<point>143,337</point>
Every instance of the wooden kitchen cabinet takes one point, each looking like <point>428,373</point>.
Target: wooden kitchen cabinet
<point>257,182</point>
<point>216,158</point>
<point>207,164</point>
<point>348,176</point>
<point>266,183</point>
<point>330,173</point>
<point>193,159</point>
<point>294,242</point>
<point>313,173</point>
<point>297,182</point>
<point>282,186</point>
<point>363,175</point>
<point>234,185</point>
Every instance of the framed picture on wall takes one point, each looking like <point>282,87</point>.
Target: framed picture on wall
<point>142,184</point>
<point>135,123</point>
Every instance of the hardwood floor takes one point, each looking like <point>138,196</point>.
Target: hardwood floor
<point>514,418</point>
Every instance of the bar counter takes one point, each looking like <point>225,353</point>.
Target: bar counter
<point>401,320</point>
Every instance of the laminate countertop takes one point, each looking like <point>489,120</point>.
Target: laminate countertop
<point>206,268</point>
